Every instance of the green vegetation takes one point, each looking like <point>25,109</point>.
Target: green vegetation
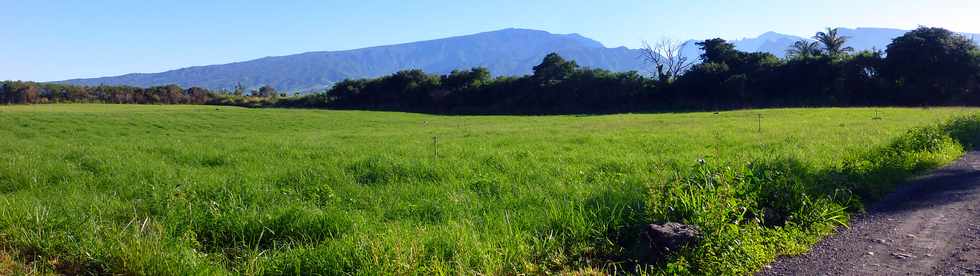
<point>924,67</point>
<point>212,190</point>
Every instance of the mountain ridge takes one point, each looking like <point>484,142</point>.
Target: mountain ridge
<point>505,52</point>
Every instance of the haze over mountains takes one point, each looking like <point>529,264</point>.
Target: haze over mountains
<point>504,52</point>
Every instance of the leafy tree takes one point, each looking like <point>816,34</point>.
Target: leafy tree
<point>717,50</point>
<point>931,65</point>
<point>345,90</point>
<point>21,92</point>
<point>413,88</point>
<point>198,95</point>
<point>554,69</point>
<point>3,92</point>
<point>862,76</point>
<point>461,80</point>
<point>803,49</point>
<point>239,90</point>
<point>169,94</point>
<point>267,91</point>
<point>833,42</point>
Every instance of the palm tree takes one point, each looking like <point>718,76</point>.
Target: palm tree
<point>803,48</point>
<point>833,43</point>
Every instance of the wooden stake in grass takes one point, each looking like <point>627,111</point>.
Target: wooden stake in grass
<point>435,154</point>
<point>760,122</point>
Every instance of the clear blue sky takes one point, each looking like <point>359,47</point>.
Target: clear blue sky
<point>52,40</point>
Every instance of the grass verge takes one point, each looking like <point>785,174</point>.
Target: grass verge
<point>751,213</point>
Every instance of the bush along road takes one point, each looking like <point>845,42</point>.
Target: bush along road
<point>929,227</point>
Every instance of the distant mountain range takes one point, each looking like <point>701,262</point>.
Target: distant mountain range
<point>504,52</point>
<point>860,39</point>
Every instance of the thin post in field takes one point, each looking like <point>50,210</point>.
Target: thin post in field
<point>435,154</point>
<point>760,122</point>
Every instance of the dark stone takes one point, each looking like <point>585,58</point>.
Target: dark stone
<point>659,241</point>
<point>771,217</point>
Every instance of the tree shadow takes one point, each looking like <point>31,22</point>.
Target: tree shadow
<point>945,186</point>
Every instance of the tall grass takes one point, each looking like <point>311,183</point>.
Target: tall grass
<point>753,212</point>
<point>205,190</point>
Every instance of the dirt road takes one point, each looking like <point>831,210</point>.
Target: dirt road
<point>929,227</point>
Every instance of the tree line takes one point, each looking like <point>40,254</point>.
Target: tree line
<point>926,66</point>
<point>25,92</point>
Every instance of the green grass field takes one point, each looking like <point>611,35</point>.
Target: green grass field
<point>214,190</point>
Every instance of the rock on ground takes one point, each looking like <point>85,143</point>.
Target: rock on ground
<point>661,240</point>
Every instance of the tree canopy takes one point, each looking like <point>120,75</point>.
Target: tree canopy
<point>932,63</point>
<point>926,66</point>
<point>833,43</point>
<point>804,49</point>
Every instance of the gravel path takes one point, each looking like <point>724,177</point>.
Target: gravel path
<point>929,227</point>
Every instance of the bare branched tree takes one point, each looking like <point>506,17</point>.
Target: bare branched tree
<point>668,59</point>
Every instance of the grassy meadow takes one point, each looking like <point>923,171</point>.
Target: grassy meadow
<point>136,189</point>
